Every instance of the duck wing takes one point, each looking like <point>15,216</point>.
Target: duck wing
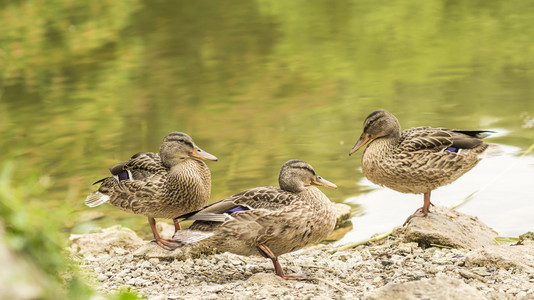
<point>266,198</point>
<point>145,162</point>
<point>139,167</point>
<point>439,139</point>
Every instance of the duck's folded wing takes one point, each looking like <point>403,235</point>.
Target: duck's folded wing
<point>271,198</point>
<point>268,197</point>
<point>439,139</point>
<point>216,212</point>
<point>141,165</point>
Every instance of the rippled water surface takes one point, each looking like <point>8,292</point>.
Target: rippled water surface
<point>84,86</point>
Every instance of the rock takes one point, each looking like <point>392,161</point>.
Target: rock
<point>339,232</point>
<point>449,228</point>
<point>527,236</point>
<point>152,250</point>
<point>470,275</point>
<point>165,230</point>
<point>481,271</point>
<point>407,247</point>
<point>343,212</point>
<point>441,287</point>
<point>101,277</point>
<point>115,240</point>
<point>269,279</point>
<point>520,257</point>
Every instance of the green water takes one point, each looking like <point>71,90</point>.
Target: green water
<point>86,85</point>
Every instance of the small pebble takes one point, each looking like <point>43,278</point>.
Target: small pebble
<point>101,277</point>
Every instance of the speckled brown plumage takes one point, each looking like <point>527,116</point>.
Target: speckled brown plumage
<point>159,185</point>
<point>416,160</point>
<point>268,221</point>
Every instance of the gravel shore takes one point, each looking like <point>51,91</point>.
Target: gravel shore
<point>392,268</point>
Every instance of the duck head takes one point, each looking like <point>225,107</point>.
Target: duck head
<point>380,123</point>
<point>177,146</point>
<point>297,175</point>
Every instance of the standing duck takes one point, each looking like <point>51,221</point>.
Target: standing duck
<point>416,160</point>
<point>164,185</point>
<point>267,221</point>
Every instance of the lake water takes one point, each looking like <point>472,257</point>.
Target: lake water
<point>86,85</point>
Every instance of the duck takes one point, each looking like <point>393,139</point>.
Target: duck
<point>167,184</point>
<point>267,221</point>
<point>416,160</point>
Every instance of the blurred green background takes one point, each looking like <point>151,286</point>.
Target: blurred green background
<point>86,84</point>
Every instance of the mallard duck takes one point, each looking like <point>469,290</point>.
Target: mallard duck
<point>164,185</point>
<point>267,221</point>
<point>416,160</point>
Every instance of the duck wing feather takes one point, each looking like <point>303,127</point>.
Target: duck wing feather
<point>262,198</point>
<point>143,161</point>
<point>139,166</point>
<point>438,139</point>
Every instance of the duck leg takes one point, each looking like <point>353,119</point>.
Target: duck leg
<point>163,243</point>
<point>176,225</point>
<point>421,211</point>
<point>267,253</point>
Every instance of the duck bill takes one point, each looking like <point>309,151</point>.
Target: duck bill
<point>364,138</point>
<point>323,182</point>
<point>199,153</point>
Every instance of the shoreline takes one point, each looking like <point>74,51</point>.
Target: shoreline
<point>400,265</point>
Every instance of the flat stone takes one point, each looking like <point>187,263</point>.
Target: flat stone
<point>470,275</point>
<point>343,212</point>
<point>520,257</point>
<point>115,240</point>
<point>437,288</point>
<point>448,228</point>
<point>152,250</point>
<point>269,279</point>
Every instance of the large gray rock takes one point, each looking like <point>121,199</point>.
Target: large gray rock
<point>113,240</point>
<point>449,228</point>
<point>437,288</point>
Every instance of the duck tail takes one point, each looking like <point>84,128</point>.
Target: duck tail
<point>188,236</point>
<point>95,199</point>
<point>99,181</point>
<point>479,134</point>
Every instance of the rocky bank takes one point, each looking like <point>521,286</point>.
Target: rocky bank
<point>447,255</point>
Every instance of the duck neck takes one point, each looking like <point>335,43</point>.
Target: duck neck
<point>312,194</point>
<point>393,137</point>
<point>383,143</point>
<point>185,165</point>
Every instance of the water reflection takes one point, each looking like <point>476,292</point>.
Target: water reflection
<point>86,85</point>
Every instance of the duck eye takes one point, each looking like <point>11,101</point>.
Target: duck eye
<point>181,140</point>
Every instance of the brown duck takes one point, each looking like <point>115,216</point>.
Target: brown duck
<point>416,160</point>
<point>267,221</point>
<point>164,185</point>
